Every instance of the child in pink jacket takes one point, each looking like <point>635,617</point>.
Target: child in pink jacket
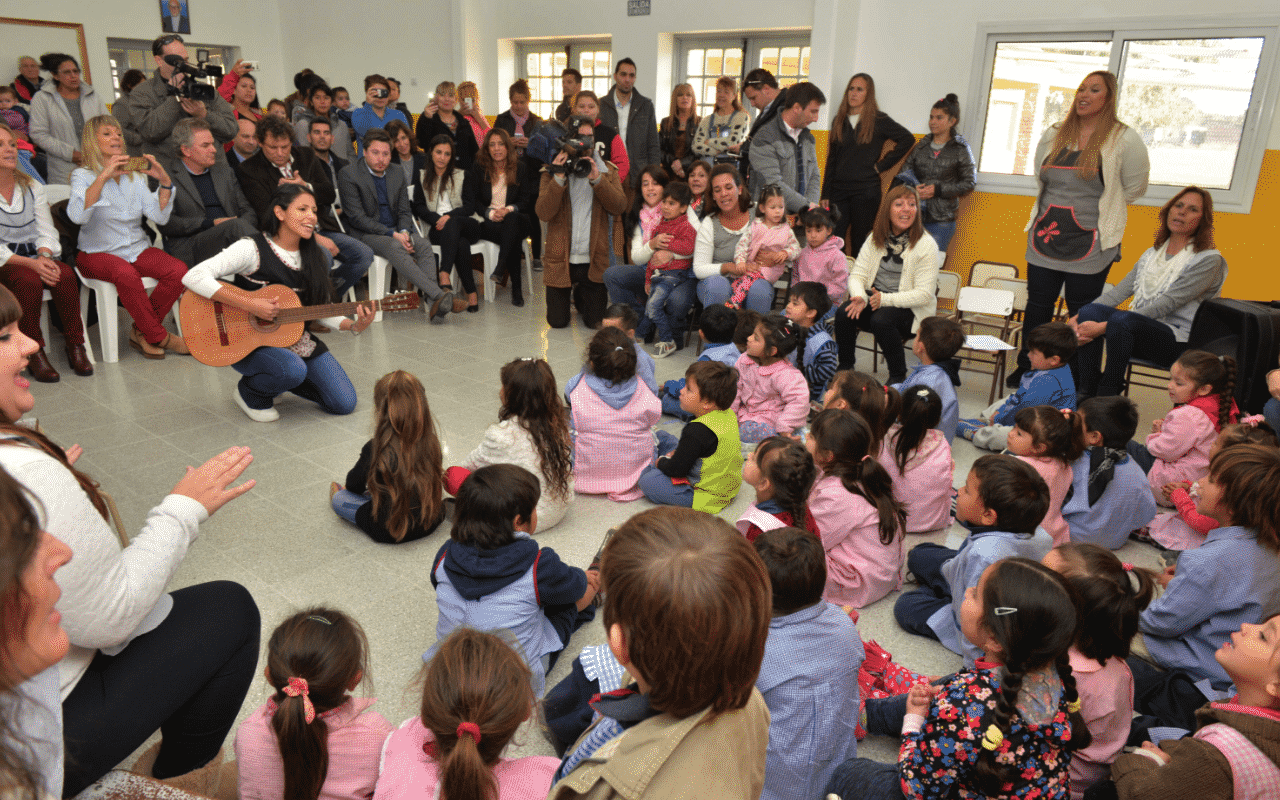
<point>769,233</point>
<point>859,521</point>
<point>773,396</point>
<point>1200,386</point>
<point>919,462</point>
<point>1050,439</point>
<point>823,260</point>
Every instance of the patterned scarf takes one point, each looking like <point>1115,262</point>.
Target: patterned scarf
<point>1102,468</point>
<point>895,246</point>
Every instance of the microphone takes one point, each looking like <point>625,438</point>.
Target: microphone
<point>174,60</point>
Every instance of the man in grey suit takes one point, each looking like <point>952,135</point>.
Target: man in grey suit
<point>209,212</point>
<point>784,152</point>
<point>375,209</point>
<point>631,115</point>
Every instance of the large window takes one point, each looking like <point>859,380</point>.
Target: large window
<point>542,63</point>
<point>1195,97</point>
<point>703,60</point>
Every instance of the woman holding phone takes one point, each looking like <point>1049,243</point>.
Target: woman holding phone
<point>441,117</point>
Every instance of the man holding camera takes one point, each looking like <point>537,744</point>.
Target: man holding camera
<point>578,194</point>
<point>156,105</point>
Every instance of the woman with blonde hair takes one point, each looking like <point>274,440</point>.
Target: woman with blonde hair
<point>108,202</point>
<point>856,157</point>
<point>441,117</point>
<point>720,134</point>
<point>29,247</point>
<point>1090,167</point>
<point>675,133</point>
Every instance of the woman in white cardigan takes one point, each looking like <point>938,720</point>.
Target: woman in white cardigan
<point>450,225</point>
<point>893,284</point>
<point>1090,167</point>
<point>189,673</point>
<point>58,114</point>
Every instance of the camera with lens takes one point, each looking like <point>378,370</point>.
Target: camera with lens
<point>577,147</point>
<point>201,81</point>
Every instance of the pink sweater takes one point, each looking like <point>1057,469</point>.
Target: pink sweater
<point>777,394</point>
<point>860,570</point>
<point>1106,702</point>
<point>1181,448</point>
<point>761,236</point>
<point>925,487</point>
<point>825,264</point>
<point>409,774</point>
<point>355,742</point>
<point>1058,476</point>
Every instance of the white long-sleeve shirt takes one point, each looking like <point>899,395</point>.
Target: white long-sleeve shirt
<point>114,223</point>
<point>45,235</point>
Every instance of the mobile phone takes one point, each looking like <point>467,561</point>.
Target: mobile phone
<point>138,164</point>
<point>380,93</point>
<point>252,65</point>
<point>467,102</point>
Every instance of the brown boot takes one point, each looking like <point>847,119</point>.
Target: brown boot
<point>148,350</point>
<point>40,368</point>
<point>79,360</point>
<point>175,344</point>
<point>203,781</point>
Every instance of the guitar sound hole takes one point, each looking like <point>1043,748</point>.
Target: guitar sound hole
<point>263,326</point>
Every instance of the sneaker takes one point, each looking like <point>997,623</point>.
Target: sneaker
<point>664,349</point>
<point>255,414</point>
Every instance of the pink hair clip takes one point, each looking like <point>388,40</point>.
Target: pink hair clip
<point>864,458</point>
<point>1252,420</point>
<point>1127,566</point>
<point>297,687</point>
<point>1066,413</point>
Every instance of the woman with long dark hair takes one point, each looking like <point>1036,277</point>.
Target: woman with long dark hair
<point>1090,167</point>
<point>499,190</point>
<point>450,225</point>
<point>942,169</point>
<point>284,253</point>
<point>856,157</point>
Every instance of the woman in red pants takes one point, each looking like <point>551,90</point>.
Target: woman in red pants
<point>28,249</point>
<point>108,202</point>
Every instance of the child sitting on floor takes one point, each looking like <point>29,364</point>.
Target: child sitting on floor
<point>1233,753</point>
<point>623,317</point>
<point>475,695</point>
<point>312,738</point>
<point>1201,386</point>
<point>816,353</point>
<point>492,574</point>
<point>773,396</point>
<point>612,415</point>
<point>716,329</point>
<point>1110,497</point>
<point>1002,502</point>
<point>676,580</point>
<point>938,340</point>
<point>823,259</point>
<point>782,472</point>
<point>1050,440</point>
<point>703,470</point>
<point>919,461</point>
<point>860,522</point>
<point>809,677</point>
<point>1048,383</point>
<point>863,394</point>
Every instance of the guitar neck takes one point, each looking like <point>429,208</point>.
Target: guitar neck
<point>308,313</point>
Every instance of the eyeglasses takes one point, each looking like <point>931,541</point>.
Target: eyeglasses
<point>165,41</point>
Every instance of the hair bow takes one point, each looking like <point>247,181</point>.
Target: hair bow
<point>297,687</point>
<point>1252,420</point>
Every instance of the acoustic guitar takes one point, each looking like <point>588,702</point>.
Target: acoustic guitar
<point>219,334</point>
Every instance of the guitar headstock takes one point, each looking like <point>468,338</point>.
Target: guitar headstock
<point>404,301</point>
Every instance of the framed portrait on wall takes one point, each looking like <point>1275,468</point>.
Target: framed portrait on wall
<point>175,17</point>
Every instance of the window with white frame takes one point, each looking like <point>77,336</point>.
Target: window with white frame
<point>1196,97</point>
<point>704,59</point>
<point>542,63</point>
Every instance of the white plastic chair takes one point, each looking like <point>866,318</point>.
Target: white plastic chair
<point>108,314</point>
<point>489,250</point>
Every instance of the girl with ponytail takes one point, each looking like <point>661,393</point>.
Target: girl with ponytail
<point>476,692</point>
<point>1201,386</point>
<point>1109,597</point>
<point>312,739</point>
<point>1050,440</point>
<point>859,520</point>
<point>1005,728</point>
<point>919,461</point>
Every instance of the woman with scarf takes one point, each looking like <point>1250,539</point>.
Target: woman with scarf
<point>1168,284</point>
<point>893,284</point>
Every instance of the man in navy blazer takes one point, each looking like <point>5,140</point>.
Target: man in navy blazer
<point>375,208</point>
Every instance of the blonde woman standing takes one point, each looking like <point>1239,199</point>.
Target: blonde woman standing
<point>675,134</point>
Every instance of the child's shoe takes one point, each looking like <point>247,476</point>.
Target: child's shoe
<point>664,349</point>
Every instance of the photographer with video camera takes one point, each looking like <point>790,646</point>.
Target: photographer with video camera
<point>177,90</point>
<point>580,196</point>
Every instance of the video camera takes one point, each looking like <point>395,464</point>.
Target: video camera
<point>554,138</point>
<point>202,79</point>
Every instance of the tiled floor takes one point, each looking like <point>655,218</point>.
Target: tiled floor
<point>141,422</point>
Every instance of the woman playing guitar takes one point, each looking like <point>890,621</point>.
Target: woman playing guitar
<point>285,253</point>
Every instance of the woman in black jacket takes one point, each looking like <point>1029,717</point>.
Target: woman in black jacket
<point>440,116</point>
<point>499,188</point>
<point>851,180</point>
<point>941,168</point>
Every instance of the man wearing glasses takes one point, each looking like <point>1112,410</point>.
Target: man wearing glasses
<point>154,111</point>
